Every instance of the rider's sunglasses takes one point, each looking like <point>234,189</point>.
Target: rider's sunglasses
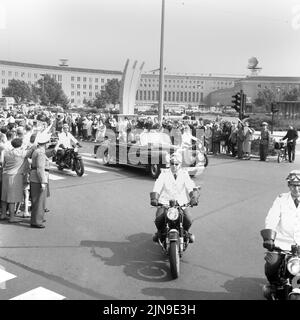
<point>174,164</point>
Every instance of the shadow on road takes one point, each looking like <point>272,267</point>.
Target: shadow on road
<point>141,258</point>
<point>237,289</point>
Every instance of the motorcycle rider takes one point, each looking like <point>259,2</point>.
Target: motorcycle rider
<point>65,140</point>
<point>173,183</point>
<point>282,227</point>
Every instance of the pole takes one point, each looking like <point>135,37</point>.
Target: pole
<point>272,122</point>
<point>242,106</point>
<point>161,66</point>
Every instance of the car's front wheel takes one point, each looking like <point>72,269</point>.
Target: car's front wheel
<point>154,170</point>
<point>106,157</point>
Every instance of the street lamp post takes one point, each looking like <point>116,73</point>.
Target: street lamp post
<point>161,66</point>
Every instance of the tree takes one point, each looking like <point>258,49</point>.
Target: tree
<point>265,98</point>
<point>50,91</point>
<point>19,90</point>
<point>112,88</point>
<point>292,95</point>
<point>101,100</point>
<point>110,95</point>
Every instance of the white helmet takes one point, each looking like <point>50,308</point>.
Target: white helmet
<point>294,177</point>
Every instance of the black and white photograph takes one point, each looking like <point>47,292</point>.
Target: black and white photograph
<point>149,153</point>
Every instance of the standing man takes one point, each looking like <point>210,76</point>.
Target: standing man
<point>248,132</point>
<point>240,140</point>
<point>39,178</point>
<point>265,137</point>
<point>291,136</point>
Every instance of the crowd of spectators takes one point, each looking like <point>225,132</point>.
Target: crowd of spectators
<point>219,136</point>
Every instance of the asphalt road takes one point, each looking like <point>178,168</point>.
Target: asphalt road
<point>97,243</point>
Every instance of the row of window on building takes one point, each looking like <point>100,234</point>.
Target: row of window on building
<point>172,86</point>
<point>84,86</point>
<point>229,83</point>
<point>58,77</point>
<point>170,96</point>
<point>20,74</point>
<point>84,79</point>
<point>84,93</point>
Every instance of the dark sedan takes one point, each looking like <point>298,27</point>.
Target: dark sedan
<point>151,151</point>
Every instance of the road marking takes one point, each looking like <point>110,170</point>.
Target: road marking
<point>5,276</point>
<point>55,177</point>
<point>92,159</point>
<point>94,170</point>
<point>39,293</point>
<point>85,154</point>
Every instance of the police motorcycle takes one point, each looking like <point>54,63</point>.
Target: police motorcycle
<point>70,159</point>
<point>288,287</point>
<point>174,240</point>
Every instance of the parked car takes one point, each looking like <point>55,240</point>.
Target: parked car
<point>150,151</point>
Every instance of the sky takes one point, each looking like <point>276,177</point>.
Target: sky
<point>200,36</point>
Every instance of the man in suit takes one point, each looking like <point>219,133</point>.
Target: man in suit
<point>291,136</point>
<point>264,141</point>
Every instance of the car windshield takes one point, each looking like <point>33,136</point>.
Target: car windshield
<point>154,138</point>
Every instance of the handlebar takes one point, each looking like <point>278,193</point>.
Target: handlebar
<point>175,206</point>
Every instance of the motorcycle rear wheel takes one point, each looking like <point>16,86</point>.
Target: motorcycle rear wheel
<point>174,259</point>
<point>79,167</point>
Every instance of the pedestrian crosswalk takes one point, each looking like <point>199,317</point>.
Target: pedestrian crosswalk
<point>39,293</point>
<point>90,167</point>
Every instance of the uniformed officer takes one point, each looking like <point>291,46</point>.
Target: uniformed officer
<point>39,178</point>
<point>282,226</point>
<point>173,183</point>
<point>265,136</point>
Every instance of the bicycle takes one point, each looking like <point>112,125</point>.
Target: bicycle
<point>282,153</point>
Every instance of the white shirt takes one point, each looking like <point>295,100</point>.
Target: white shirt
<point>65,138</point>
<point>170,188</point>
<point>186,139</point>
<point>284,218</point>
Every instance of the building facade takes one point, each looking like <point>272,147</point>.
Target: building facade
<point>78,84</point>
<point>251,86</point>
<point>181,89</point>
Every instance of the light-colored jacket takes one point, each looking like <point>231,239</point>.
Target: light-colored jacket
<point>40,166</point>
<point>171,189</point>
<point>284,218</point>
<point>66,139</point>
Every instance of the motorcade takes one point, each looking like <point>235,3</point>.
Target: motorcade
<point>150,150</point>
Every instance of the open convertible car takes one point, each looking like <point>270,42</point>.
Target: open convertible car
<point>150,151</point>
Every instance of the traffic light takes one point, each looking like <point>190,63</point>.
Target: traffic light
<point>236,102</point>
<point>273,108</point>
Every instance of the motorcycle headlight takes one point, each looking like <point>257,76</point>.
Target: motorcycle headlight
<point>172,214</point>
<point>294,265</point>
